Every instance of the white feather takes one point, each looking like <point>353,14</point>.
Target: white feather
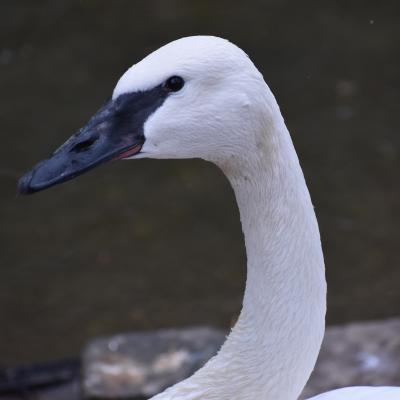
<point>227,114</point>
<point>361,393</point>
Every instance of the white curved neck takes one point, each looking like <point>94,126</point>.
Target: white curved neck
<point>272,350</point>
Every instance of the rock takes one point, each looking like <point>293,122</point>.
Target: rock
<point>140,365</point>
<point>364,353</point>
<point>66,391</point>
<point>63,391</point>
<point>57,380</point>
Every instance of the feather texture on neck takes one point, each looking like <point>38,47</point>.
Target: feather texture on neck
<point>273,347</point>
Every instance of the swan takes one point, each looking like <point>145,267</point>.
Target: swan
<point>202,97</point>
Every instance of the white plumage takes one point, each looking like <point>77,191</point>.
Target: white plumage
<point>226,114</point>
<point>361,393</point>
<point>203,97</point>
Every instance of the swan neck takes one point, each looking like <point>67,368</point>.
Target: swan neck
<point>282,322</point>
<point>273,347</point>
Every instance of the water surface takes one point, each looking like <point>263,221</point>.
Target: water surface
<point>142,245</point>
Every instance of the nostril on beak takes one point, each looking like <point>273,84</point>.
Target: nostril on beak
<point>84,145</point>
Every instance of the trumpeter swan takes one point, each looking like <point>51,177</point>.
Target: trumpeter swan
<point>203,97</point>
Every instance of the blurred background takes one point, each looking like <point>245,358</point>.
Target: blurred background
<point>143,245</point>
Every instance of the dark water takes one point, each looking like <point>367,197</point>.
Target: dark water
<point>148,244</point>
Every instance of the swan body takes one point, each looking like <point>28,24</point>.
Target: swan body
<point>203,97</point>
<point>361,393</point>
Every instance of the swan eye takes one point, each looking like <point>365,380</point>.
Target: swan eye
<point>174,84</point>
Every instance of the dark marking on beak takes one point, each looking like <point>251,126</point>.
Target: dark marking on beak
<point>116,131</point>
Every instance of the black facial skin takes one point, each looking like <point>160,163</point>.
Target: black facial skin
<point>114,131</point>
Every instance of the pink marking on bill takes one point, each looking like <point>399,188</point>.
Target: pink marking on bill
<point>128,153</point>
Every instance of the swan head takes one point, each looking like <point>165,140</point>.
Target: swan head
<point>196,97</point>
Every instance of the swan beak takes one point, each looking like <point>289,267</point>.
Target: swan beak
<point>114,132</point>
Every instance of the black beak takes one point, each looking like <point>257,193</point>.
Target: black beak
<point>114,132</point>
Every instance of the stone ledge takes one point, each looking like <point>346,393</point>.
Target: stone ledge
<point>357,354</point>
<point>140,365</point>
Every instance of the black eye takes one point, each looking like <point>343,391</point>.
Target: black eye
<point>174,84</point>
